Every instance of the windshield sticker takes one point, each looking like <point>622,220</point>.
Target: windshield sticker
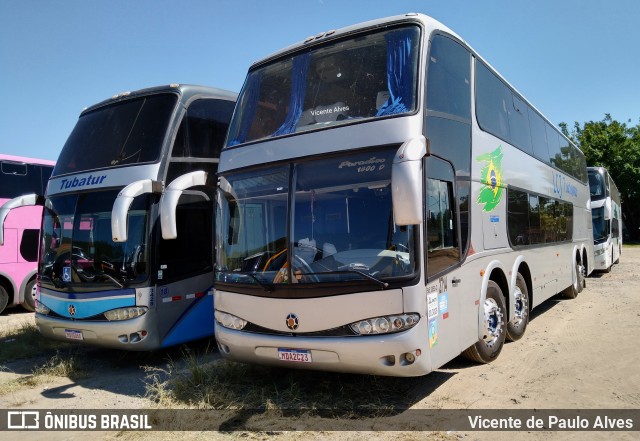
<point>443,303</point>
<point>432,305</point>
<point>491,177</point>
<point>433,333</point>
<point>66,274</point>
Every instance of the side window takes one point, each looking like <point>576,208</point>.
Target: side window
<point>448,78</point>
<point>193,252</point>
<point>535,231</point>
<point>29,245</point>
<point>548,219</point>
<point>493,103</point>
<point>518,217</point>
<point>203,129</point>
<point>17,179</point>
<point>553,139</point>
<point>443,250</point>
<point>539,136</point>
<point>519,124</point>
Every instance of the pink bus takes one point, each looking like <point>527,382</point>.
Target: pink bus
<point>19,239</point>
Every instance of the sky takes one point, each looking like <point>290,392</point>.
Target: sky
<point>575,60</point>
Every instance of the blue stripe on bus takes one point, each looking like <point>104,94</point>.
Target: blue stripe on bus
<point>88,308</point>
<point>196,322</point>
<point>89,295</point>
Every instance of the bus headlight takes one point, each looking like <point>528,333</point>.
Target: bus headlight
<point>599,252</point>
<point>230,321</point>
<point>125,313</point>
<point>386,324</point>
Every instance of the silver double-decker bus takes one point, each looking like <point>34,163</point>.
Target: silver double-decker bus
<point>137,171</point>
<point>606,211</point>
<point>386,202</point>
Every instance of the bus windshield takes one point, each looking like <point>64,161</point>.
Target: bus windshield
<point>371,75</point>
<point>600,226</point>
<point>126,132</point>
<point>77,250</point>
<point>596,186</point>
<point>340,224</point>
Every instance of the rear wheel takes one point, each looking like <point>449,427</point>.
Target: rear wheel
<point>494,332</point>
<point>578,283</point>
<point>29,302</point>
<point>4,298</point>
<point>518,323</point>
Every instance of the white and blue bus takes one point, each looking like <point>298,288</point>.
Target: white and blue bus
<point>136,171</point>
<point>387,201</point>
<point>606,211</point>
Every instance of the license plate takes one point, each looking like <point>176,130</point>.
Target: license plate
<point>73,334</point>
<point>295,355</point>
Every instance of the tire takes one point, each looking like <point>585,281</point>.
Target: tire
<point>489,347</point>
<point>4,298</point>
<point>518,323</point>
<point>29,302</point>
<point>577,285</point>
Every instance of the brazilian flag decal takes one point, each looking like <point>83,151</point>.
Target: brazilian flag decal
<point>491,177</point>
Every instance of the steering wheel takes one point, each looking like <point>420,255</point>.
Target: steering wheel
<point>299,262</point>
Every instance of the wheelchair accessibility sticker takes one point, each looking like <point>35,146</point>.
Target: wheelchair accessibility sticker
<point>66,274</point>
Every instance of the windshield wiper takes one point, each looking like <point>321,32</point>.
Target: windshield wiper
<point>266,286</point>
<point>368,277</point>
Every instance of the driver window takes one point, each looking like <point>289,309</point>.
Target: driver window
<point>192,251</point>
<point>442,246</point>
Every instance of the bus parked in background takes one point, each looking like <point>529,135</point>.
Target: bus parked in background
<point>110,271</point>
<point>19,240</point>
<point>606,212</point>
<point>386,202</point>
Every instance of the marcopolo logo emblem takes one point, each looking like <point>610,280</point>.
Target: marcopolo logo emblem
<point>292,321</point>
<point>72,310</point>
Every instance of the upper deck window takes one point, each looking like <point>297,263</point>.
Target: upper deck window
<point>370,75</point>
<point>124,133</point>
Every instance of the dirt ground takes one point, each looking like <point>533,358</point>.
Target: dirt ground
<point>576,354</point>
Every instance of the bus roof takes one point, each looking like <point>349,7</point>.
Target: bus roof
<point>185,90</point>
<point>26,160</point>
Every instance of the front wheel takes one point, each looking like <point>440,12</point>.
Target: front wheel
<point>29,302</point>
<point>494,332</point>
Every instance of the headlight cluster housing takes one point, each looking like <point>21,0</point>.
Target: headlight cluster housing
<point>230,321</point>
<point>125,313</point>
<point>385,324</point>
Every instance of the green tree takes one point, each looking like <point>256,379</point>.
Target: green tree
<point>615,146</point>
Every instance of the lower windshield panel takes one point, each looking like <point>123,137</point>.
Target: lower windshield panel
<point>338,228</point>
<point>77,250</point>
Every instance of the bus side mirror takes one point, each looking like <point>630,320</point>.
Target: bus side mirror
<point>406,182</point>
<point>608,211</point>
<point>120,211</point>
<point>170,197</point>
<point>20,201</point>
